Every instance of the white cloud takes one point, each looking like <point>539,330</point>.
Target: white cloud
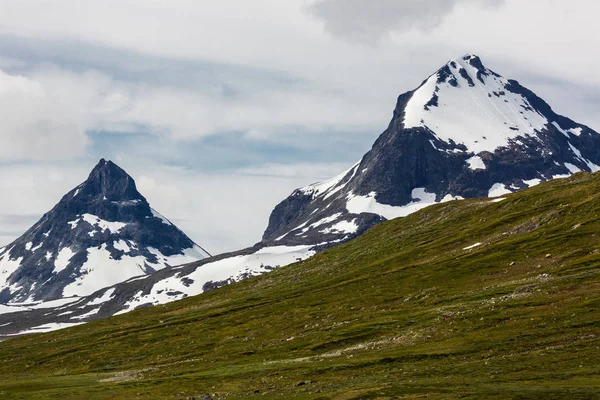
<point>369,20</point>
<point>46,115</point>
<point>226,212</point>
<point>309,173</point>
<point>339,86</point>
<point>35,124</point>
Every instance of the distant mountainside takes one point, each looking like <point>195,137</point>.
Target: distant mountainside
<point>101,233</point>
<point>465,132</point>
<point>475,299</point>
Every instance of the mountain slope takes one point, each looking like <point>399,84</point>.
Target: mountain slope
<point>161,287</point>
<point>100,233</point>
<point>477,298</point>
<point>465,132</point>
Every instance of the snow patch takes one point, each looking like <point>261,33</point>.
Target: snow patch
<point>576,131</point>
<point>62,259</point>
<point>367,204</point>
<point>36,248</point>
<point>593,167</point>
<point>473,246</point>
<point>48,328</point>
<point>101,270</point>
<point>498,189</point>
<point>347,227</point>
<point>561,130</point>
<point>106,296</point>
<point>8,267</point>
<point>121,245</point>
<point>476,163</point>
<point>87,314</point>
<point>97,222</point>
<point>447,198</point>
<point>532,182</point>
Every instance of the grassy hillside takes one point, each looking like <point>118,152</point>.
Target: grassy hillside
<point>401,312</point>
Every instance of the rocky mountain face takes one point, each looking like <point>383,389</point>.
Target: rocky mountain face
<point>465,132</point>
<point>100,233</point>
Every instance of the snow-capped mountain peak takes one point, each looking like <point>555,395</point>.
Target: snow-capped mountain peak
<point>464,94</point>
<point>101,233</point>
<point>466,131</point>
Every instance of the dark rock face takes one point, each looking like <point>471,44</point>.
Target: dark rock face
<point>528,143</point>
<point>101,232</point>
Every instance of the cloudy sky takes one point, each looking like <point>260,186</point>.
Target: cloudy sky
<point>219,109</point>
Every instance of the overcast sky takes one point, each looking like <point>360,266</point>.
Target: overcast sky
<point>219,109</point>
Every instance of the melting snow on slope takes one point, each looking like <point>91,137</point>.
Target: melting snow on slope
<point>121,245</point>
<point>62,259</point>
<point>106,296</point>
<point>113,227</point>
<point>238,267</point>
<point>7,309</point>
<point>48,328</point>
<point>7,267</point>
<point>347,227</point>
<point>367,204</point>
<point>322,187</point>
<point>497,190</point>
<point>572,168</point>
<point>493,114</point>
<point>475,163</point>
<point>101,270</point>
<point>87,314</point>
<point>320,222</point>
<point>189,255</point>
<point>532,182</point>
<point>16,307</point>
<point>576,131</point>
<point>593,167</point>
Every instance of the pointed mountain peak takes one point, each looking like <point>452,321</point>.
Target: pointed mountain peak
<point>109,182</point>
<point>467,69</point>
<point>474,61</point>
<point>101,233</point>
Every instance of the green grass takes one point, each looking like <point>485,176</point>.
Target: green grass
<point>401,312</point>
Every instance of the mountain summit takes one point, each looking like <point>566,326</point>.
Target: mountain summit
<point>100,233</point>
<point>466,131</point>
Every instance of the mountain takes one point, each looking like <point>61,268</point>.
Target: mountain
<point>465,132</point>
<point>474,299</point>
<point>100,233</point>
